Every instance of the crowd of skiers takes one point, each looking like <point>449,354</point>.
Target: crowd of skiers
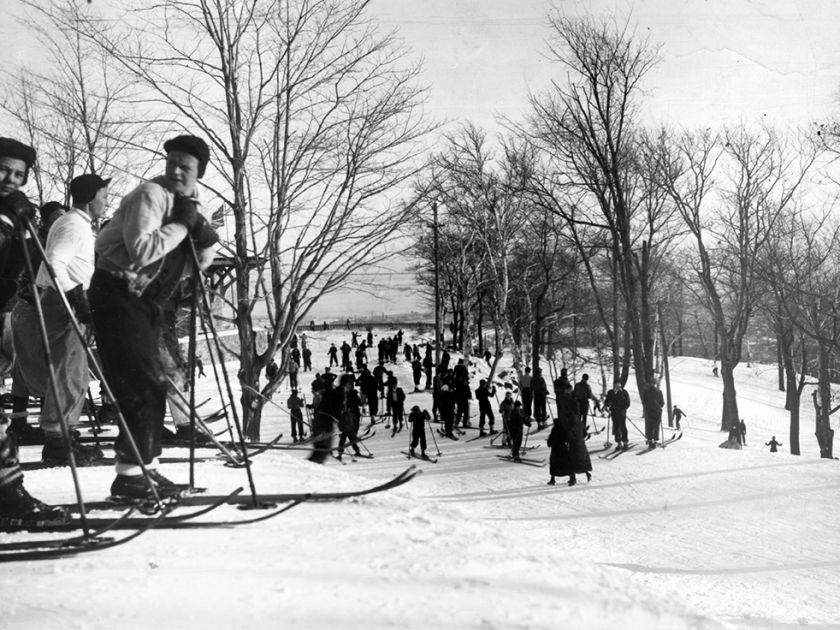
<point>67,277</point>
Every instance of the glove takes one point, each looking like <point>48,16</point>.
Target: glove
<point>78,300</point>
<point>203,234</point>
<point>185,212</point>
<point>18,206</point>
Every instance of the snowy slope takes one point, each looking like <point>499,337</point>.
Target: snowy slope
<point>691,536</point>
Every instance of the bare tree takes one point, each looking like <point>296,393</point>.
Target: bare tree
<point>313,117</point>
<point>587,128</point>
<point>802,267</point>
<point>731,190</point>
<point>76,110</point>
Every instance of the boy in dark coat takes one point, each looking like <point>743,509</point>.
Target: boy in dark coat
<point>418,419</point>
<point>618,401</point>
<point>518,419</point>
<point>482,395</point>
<point>295,405</point>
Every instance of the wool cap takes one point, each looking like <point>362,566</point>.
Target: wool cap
<point>84,187</point>
<point>192,145</point>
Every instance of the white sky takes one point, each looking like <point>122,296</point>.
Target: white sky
<point>721,61</point>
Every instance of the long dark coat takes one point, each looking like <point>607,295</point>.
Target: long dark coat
<point>568,448</point>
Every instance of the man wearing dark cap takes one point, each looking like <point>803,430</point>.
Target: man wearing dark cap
<point>69,251</point>
<point>143,253</point>
<point>18,509</point>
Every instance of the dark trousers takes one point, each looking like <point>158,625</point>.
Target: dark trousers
<point>652,422</point>
<point>297,423</point>
<point>620,427</point>
<point>539,407</point>
<point>128,340</point>
<point>485,412</point>
<point>527,398</point>
<point>515,444</point>
<point>322,425</point>
<point>418,435</point>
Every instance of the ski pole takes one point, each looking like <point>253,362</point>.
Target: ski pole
<point>206,309</point>
<point>191,349</point>
<point>432,432</point>
<point>642,433</point>
<point>97,428</point>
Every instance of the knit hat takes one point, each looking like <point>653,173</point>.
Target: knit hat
<point>192,145</point>
<point>84,187</point>
<point>14,149</point>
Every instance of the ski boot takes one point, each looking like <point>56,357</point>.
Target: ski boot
<point>20,510</point>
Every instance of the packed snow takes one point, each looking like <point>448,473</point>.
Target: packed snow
<point>690,536</point>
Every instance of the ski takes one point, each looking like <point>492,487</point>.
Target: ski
<point>235,499</point>
<point>601,450</point>
<point>672,439</point>
<point>57,548</point>
<point>426,458</point>
<point>539,463</point>
<point>617,451</point>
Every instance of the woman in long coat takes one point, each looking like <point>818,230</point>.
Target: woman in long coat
<point>569,454</point>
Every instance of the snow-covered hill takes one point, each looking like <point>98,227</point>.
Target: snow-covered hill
<point>691,536</point>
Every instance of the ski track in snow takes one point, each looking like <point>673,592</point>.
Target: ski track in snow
<point>691,536</point>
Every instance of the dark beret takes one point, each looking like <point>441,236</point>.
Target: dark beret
<point>14,149</point>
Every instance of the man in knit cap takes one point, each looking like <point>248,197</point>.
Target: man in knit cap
<point>142,255</point>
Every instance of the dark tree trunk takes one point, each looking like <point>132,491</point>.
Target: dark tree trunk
<point>824,432</point>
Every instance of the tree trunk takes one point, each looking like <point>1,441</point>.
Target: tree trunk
<point>730,416</point>
<point>824,432</point>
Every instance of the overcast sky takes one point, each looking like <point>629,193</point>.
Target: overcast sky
<point>721,60</point>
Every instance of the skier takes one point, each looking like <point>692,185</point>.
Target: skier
<point>295,354</point>
<point>417,373</point>
<point>742,430</point>
<point>354,342</point>
<point>307,359</point>
<point>540,390</point>
<point>773,444</point>
<point>715,370</point>
<point>328,403</point>
<point>200,367</point>
<point>445,404</point>
<point>333,354</point>
<point>397,409</point>
<point>506,409</point>
<point>652,403</point>
<point>428,363</point>
<point>418,420</point>
<point>142,247</point>
<point>582,394</point>
<point>18,509</point>
<point>482,395</point>
<point>346,421</point>
<point>295,405</point>
<point>525,390</point>
<point>70,251</point>
<point>618,401</point>
<point>518,418</point>
<point>292,369</point>
<point>679,414</point>
<point>346,365</point>
<point>488,356</point>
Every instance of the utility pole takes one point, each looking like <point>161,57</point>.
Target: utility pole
<point>437,285</point>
